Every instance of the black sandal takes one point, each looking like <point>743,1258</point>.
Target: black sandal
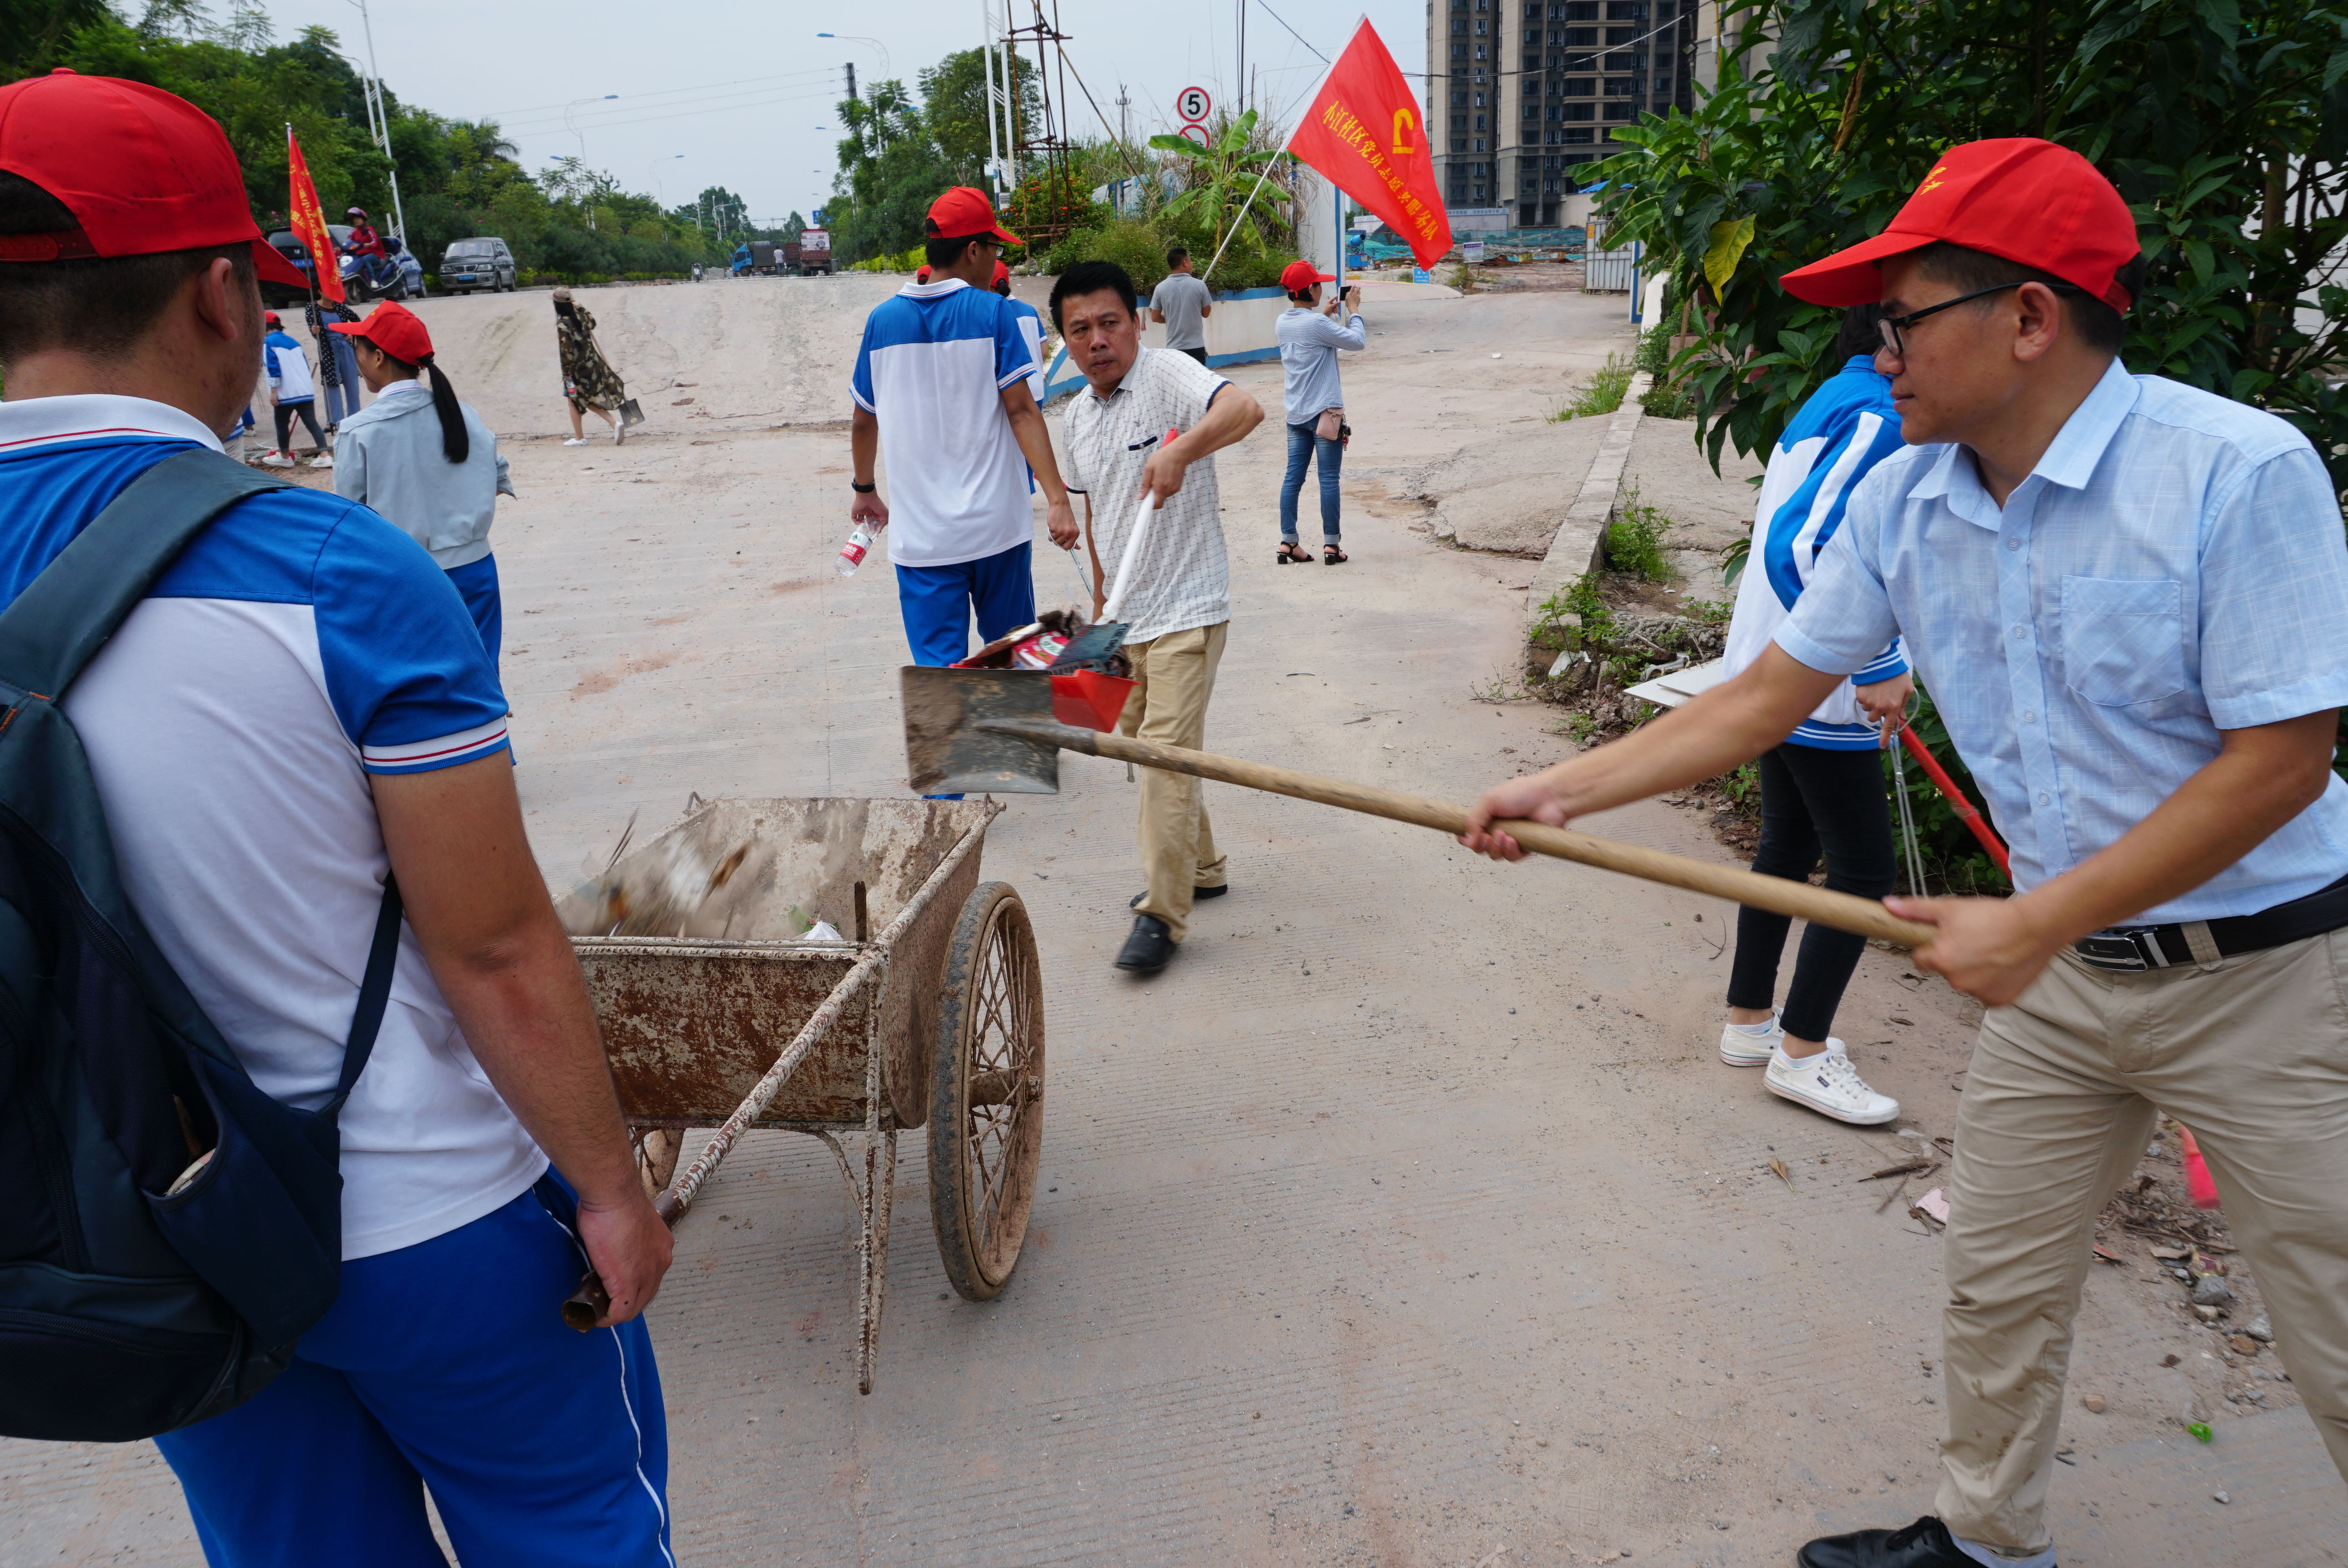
<point>1332,556</point>
<point>1290,551</point>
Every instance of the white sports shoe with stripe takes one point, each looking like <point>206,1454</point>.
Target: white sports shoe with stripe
<point>1828,1084</point>
<point>1740,1049</point>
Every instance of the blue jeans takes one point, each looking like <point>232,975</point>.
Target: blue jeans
<point>1302,442</point>
<point>444,1366</point>
<point>477,581</point>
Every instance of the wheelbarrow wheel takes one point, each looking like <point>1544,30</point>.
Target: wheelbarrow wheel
<point>986,1092</point>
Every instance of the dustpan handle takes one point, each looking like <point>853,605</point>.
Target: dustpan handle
<point>1115,600</point>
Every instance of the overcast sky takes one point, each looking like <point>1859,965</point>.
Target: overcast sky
<point>745,90</point>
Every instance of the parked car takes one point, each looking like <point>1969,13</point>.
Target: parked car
<point>484,262</point>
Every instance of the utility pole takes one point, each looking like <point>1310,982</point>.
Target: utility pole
<point>850,68</point>
<point>379,119</point>
<point>986,58</point>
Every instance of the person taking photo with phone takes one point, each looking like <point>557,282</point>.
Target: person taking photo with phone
<point>1310,337</point>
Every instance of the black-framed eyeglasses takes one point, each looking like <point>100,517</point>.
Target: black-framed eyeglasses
<point>1891,327</point>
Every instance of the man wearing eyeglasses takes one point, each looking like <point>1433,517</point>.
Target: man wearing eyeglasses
<point>2129,600</point>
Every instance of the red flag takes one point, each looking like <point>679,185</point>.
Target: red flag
<point>1361,129</point>
<point>309,224</point>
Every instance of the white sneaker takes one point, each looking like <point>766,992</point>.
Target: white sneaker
<point>323,460</point>
<point>1740,1049</point>
<point>576,441</point>
<point>277,460</point>
<point>619,432</point>
<point>1828,1084</point>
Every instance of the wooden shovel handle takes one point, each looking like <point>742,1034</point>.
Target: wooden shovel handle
<point>1864,916</point>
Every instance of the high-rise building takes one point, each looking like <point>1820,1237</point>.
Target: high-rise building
<point>1520,92</point>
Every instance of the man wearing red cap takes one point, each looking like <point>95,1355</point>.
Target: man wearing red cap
<point>299,708</point>
<point>943,373</point>
<point>2129,600</point>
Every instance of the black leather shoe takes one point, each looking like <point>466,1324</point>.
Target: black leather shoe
<point>1216,891</point>
<point>1150,948</point>
<point>1923,1544</point>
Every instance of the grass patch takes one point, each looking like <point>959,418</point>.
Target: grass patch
<point>1463,278</point>
<point>1634,539</point>
<point>1503,687</point>
<point>1581,601</point>
<point>1603,396</point>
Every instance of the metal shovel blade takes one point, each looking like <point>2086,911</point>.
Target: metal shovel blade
<point>947,751</point>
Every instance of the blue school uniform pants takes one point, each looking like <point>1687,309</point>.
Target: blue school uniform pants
<point>477,581</point>
<point>938,602</point>
<point>444,1364</point>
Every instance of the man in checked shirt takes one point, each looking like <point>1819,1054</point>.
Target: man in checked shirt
<point>1178,606</point>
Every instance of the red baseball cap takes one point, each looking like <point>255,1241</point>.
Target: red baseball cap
<point>2035,203</point>
<point>963,212</point>
<point>393,328</point>
<point>1001,272</point>
<point>1298,276</point>
<point>141,171</point>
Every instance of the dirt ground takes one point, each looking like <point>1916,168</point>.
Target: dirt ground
<point>1409,1219</point>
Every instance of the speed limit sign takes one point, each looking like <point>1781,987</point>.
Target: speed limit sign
<point>1192,104</point>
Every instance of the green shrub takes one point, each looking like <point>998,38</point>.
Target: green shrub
<point>1603,396</point>
<point>1634,539</point>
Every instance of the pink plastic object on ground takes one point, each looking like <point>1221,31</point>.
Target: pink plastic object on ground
<point>2199,1185</point>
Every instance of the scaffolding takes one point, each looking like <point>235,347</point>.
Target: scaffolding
<point>1040,147</point>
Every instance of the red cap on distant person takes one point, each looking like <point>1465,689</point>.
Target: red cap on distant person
<point>393,328</point>
<point>963,212</point>
<point>1298,276</point>
<point>1002,273</point>
<point>2030,201</point>
<point>141,171</point>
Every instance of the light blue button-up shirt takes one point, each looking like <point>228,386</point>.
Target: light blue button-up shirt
<point>2173,567</point>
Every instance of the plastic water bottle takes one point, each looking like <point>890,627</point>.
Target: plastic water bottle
<point>852,553</point>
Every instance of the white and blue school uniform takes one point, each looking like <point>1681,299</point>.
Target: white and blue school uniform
<point>932,368</point>
<point>298,647</point>
<point>288,369</point>
<point>1031,329</point>
<point>388,458</point>
<point>1847,427</point>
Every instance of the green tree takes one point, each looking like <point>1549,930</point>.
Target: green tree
<point>2224,124</point>
<point>953,101</point>
<point>1219,177</point>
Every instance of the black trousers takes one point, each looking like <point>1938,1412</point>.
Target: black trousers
<point>1814,800</point>
<point>285,413</point>
<point>1198,354</point>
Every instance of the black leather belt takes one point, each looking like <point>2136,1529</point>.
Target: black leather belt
<point>2159,946</point>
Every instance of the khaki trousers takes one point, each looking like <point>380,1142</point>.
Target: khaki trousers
<point>2251,1053</point>
<point>1174,675</point>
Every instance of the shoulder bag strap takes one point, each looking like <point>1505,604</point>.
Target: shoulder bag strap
<point>67,613</point>
<point>375,993</point>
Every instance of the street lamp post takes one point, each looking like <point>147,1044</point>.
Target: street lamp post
<point>378,120</point>
<point>572,127</point>
<point>859,38</point>
<point>652,169</point>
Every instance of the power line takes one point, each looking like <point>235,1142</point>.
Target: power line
<point>671,92</point>
<point>1293,33</point>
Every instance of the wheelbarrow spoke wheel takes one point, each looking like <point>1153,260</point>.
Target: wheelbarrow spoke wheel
<point>986,1099</point>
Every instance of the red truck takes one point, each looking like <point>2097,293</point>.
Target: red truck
<point>810,255</point>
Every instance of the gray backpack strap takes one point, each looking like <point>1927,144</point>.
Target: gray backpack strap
<point>67,613</point>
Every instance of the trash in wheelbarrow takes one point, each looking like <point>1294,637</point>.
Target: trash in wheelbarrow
<point>1090,674</point>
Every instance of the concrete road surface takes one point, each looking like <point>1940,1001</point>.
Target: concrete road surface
<point>1408,1220</point>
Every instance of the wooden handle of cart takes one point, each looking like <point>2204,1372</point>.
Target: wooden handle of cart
<point>1864,916</point>
<point>586,1306</point>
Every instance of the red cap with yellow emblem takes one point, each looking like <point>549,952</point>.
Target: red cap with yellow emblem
<point>2030,201</point>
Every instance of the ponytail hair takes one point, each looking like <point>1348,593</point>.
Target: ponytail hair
<point>456,441</point>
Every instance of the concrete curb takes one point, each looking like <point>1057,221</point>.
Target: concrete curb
<point>1581,542</point>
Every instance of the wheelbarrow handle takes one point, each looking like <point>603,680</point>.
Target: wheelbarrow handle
<point>585,1306</point>
<point>1864,916</point>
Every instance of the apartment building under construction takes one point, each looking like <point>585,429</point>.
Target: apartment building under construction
<point>1521,92</point>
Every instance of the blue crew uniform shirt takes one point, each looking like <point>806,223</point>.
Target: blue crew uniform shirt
<point>2172,568</point>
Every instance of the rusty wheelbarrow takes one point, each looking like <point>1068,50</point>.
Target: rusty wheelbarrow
<point>926,1009</point>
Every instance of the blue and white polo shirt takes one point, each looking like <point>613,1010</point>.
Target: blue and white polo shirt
<point>933,366</point>
<point>299,644</point>
<point>1847,427</point>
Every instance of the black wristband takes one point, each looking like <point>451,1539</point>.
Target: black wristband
<point>862,489</point>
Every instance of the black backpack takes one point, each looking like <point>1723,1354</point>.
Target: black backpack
<point>167,1230</point>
